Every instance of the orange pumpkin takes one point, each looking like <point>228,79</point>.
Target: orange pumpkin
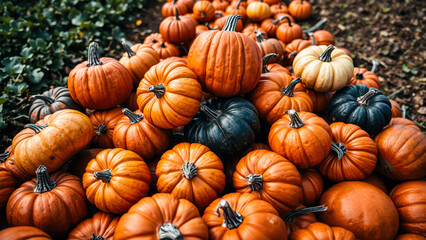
<point>153,38</point>
<point>7,159</point>
<point>101,226</point>
<point>23,232</point>
<point>322,37</point>
<point>278,8</point>
<point>300,9</point>
<point>270,26</point>
<point>301,217</point>
<point>220,4</point>
<point>294,47</point>
<point>396,109</point>
<point>250,30</point>
<point>237,9</point>
<point>168,8</point>
<point>177,29</point>
<point>312,186</point>
<point>288,31</point>
<point>368,78</point>
<point>258,11</point>
<point>319,231</point>
<point>270,45</point>
<point>409,236</point>
<point>7,185</point>
<point>320,100</point>
<point>203,11</point>
<point>103,123</point>
<point>402,121</point>
<point>166,50</point>
<point>220,23</point>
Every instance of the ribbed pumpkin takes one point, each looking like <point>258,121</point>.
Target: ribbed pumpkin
<point>368,78</point>
<point>103,123</point>
<point>322,37</point>
<point>312,186</point>
<point>153,38</point>
<point>294,47</point>
<point>162,216</point>
<point>224,68</point>
<point>270,26</point>
<point>353,154</point>
<point>409,236</point>
<point>7,185</point>
<point>7,159</point>
<point>138,59</point>
<point>401,121</point>
<point>169,95</point>
<point>270,45</point>
<point>319,231</point>
<point>258,11</point>
<point>203,11</point>
<point>300,9</point>
<point>191,171</point>
<point>410,201</point>
<point>133,132</point>
<point>243,216</point>
<point>166,50</point>
<point>53,204</point>
<point>168,8</point>
<point>250,30</point>
<point>23,233</point>
<point>261,172</point>
<point>99,83</point>
<point>288,31</point>
<point>65,133</point>
<point>99,227</point>
<point>177,29</point>
<point>237,9</point>
<point>279,8</point>
<point>301,217</point>
<point>303,138</point>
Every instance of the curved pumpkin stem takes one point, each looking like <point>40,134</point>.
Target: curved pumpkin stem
<point>359,75</point>
<point>265,60</point>
<point>169,231</point>
<point>231,23</point>
<point>210,113</point>
<point>158,90</point>
<point>288,91</point>
<point>375,65</point>
<point>127,46</point>
<point>47,100</point>
<point>293,54</point>
<point>43,182</point>
<point>339,149</point>
<point>296,121</point>
<point>326,55</point>
<point>238,4</point>
<point>189,170</point>
<point>288,20</point>
<point>4,156</point>
<point>163,45</point>
<point>134,118</point>
<point>275,22</point>
<point>254,181</point>
<point>104,175</point>
<point>365,99</point>
<point>317,26</point>
<point>290,217</point>
<point>314,40</point>
<point>259,37</point>
<point>177,14</point>
<point>93,237</point>
<point>102,129</point>
<point>232,219</point>
<point>92,55</point>
<point>36,128</point>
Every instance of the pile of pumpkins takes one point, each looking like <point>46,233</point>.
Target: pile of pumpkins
<point>246,136</point>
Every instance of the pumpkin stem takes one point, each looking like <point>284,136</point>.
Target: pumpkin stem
<point>359,75</point>
<point>102,129</point>
<point>255,181</point>
<point>127,46</point>
<point>288,91</point>
<point>390,96</point>
<point>92,55</point>
<point>317,26</point>
<point>134,118</point>
<point>231,219</point>
<point>4,156</point>
<point>154,40</point>
<point>36,128</point>
<point>290,217</point>
<point>169,231</point>
<point>210,113</point>
<point>314,40</point>
<point>189,170</point>
<point>326,55</point>
<point>43,182</point>
<point>339,149</point>
<point>238,4</point>
<point>265,60</point>
<point>104,175</point>
<point>177,14</point>
<point>404,111</point>
<point>296,121</point>
<point>231,23</point>
<point>163,45</point>
<point>364,100</point>
<point>275,22</point>
<point>375,65</point>
<point>293,54</point>
<point>93,237</point>
<point>280,5</point>
<point>47,100</point>
<point>259,37</point>
<point>158,90</point>
<point>288,20</point>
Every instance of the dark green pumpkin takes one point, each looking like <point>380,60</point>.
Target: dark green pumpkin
<point>228,126</point>
<point>357,104</point>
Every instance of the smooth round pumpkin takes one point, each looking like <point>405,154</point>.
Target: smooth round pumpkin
<point>23,233</point>
<point>303,138</point>
<point>319,231</point>
<point>99,83</point>
<point>300,9</point>
<point>153,38</point>
<point>287,31</point>
<point>258,11</point>
<point>166,50</point>
<point>133,132</point>
<point>261,172</point>
<point>409,236</point>
<point>177,28</point>
<point>312,186</point>
<point>224,68</point>
<point>323,37</point>
<point>51,101</point>
<point>368,78</point>
<point>79,162</point>
<point>162,216</point>
<point>169,8</point>
<point>103,123</point>
<point>65,133</point>
<point>169,95</point>
<point>7,185</point>
<point>192,172</point>
<point>203,11</point>
<point>101,226</point>
<point>243,216</point>
<point>360,208</point>
<point>53,204</point>
<point>410,201</point>
<point>138,59</point>
<point>322,68</point>
<point>353,154</point>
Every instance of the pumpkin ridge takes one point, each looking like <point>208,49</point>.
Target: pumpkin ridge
<point>66,135</point>
<point>47,147</point>
<point>182,113</point>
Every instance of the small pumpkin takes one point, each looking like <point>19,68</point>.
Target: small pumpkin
<point>103,123</point>
<point>177,29</point>
<point>270,45</point>
<point>168,8</point>
<point>270,26</point>
<point>7,159</point>
<point>153,38</point>
<point>237,9</point>
<point>318,231</point>
<point>220,4</point>
<point>250,30</point>
<point>203,11</point>
<point>279,8</point>
<point>301,217</point>
<point>300,9</point>
<point>79,162</point>
<point>7,185</point>
<point>322,37</point>
<point>312,186</point>
<point>258,11</point>
<point>51,101</point>
<point>166,50</point>
<point>368,78</point>
<point>99,227</point>
<point>288,31</point>
<point>409,236</point>
<point>23,232</point>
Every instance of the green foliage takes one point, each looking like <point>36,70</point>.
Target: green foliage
<point>39,39</point>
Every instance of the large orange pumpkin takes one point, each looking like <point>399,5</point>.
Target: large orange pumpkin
<point>258,11</point>
<point>223,67</point>
<point>320,231</point>
<point>203,11</point>
<point>23,233</point>
<point>168,8</point>
<point>103,125</point>
<point>99,227</point>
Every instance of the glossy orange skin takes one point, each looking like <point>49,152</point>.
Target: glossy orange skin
<point>67,132</point>
<point>203,7</point>
<point>278,8</point>
<point>142,138</point>
<point>312,186</point>
<point>369,79</point>
<point>295,45</point>
<point>396,109</point>
<point>79,161</point>
<point>177,30</point>
<point>181,99</point>
<point>360,208</point>
<point>7,185</point>
<point>402,152</point>
<point>139,64</point>
<point>9,164</point>
<point>220,23</point>
<point>224,68</point>
<point>101,224</point>
<point>255,213</point>
<point>146,216</point>
<point>409,236</point>
<point>249,30</point>
<point>320,231</point>
<point>323,37</point>
<point>269,27</point>
<point>276,67</point>
<point>23,233</point>
<point>376,181</point>
<point>271,45</point>
<point>108,118</point>
<point>220,4</point>
<point>300,10</point>
<point>241,10</point>
<point>402,121</point>
<point>167,50</point>
<point>258,11</point>
<point>270,100</point>
<point>280,15</point>
<point>172,59</point>
<point>359,159</point>
<point>153,38</point>
<point>410,201</point>
<point>168,8</point>
<point>282,191</point>
<point>300,221</point>
<point>54,211</point>
<point>269,2</point>
<point>306,146</point>
<point>102,86</point>
<point>203,188</point>
<point>287,33</point>
<point>128,184</point>
<point>131,102</point>
<point>188,3</point>
<point>320,100</point>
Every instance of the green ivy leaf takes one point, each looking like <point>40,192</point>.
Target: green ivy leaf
<point>3,98</point>
<point>78,19</point>
<point>12,65</point>
<point>36,75</point>
<point>27,52</point>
